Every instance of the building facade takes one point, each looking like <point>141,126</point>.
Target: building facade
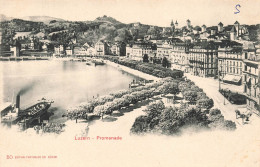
<point>203,60</point>
<point>230,63</point>
<point>251,78</point>
<point>179,57</point>
<point>139,49</point>
<point>101,48</point>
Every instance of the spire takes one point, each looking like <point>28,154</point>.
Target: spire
<point>236,22</point>
<point>221,24</point>
<point>172,24</point>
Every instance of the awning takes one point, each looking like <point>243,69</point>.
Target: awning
<point>232,78</point>
<point>169,95</point>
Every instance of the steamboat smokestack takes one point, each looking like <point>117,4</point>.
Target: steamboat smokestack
<point>17,103</point>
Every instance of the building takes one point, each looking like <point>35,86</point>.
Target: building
<point>80,51</point>
<point>238,31</point>
<point>69,51</point>
<point>220,27</point>
<point>15,50</point>
<point>59,50</point>
<point>91,51</point>
<point>179,57</point>
<point>203,59</point>
<point>101,48</point>
<point>251,72</point>
<point>230,62</point>
<point>129,50</point>
<point>164,50</point>
<point>140,48</point>
<point>119,49</point>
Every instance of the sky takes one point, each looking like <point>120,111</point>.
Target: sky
<point>152,12</point>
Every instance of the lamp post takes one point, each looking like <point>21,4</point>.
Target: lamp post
<point>219,85</point>
<point>219,74</point>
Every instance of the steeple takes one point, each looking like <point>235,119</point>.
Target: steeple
<point>176,24</point>
<point>172,24</point>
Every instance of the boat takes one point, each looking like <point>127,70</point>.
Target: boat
<point>98,62</point>
<point>26,118</point>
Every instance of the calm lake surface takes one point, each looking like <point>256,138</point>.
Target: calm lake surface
<point>67,83</point>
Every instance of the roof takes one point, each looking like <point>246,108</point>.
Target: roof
<point>233,29</point>
<point>220,23</point>
<point>197,28</point>
<point>236,22</point>
<point>249,46</point>
<point>228,28</point>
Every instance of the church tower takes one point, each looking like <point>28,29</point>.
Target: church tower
<point>176,24</point>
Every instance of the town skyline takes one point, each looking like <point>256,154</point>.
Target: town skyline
<point>146,12</point>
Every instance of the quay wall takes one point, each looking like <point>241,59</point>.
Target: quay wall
<point>133,71</point>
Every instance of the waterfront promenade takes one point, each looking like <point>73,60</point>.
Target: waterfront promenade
<point>132,71</point>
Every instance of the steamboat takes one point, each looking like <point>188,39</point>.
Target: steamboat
<point>37,114</point>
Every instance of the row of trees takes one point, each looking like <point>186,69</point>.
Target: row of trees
<point>149,68</point>
<point>194,94</point>
<point>170,121</point>
<point>233,97</point>
<point>109,103</point>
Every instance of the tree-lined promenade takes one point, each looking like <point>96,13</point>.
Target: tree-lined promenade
<point>194,111</point>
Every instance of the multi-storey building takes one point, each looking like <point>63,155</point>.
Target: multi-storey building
<point>139,49</point>
<point>230,62</point>
<point>251,77</point>
<point>164,50</point>
<point>59,50</point>
<point>203,59</point>
<point>129,50</point>
<point>179,57</point>
<point>101,48</point>
<point>119,49</point>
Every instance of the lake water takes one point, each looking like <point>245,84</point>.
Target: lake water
<point>67,83</point>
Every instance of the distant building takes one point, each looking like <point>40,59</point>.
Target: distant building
<point>220,27</point>
<point>179,57</point>
<point>129,50</point>
<point>69,51</point>
<point>80,51</point>
<point>139,49</point>
<point>238,31</point>
<point>15,50</point>
<point>119,49</point>
<point>164,50</point>
<point>59,50</point>
<point>101,48</point>
<point>91,51</point>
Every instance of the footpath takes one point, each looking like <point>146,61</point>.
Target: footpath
<point>133,71</point>
<point>210,87</point>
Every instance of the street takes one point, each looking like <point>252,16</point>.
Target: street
<point>210,87</point>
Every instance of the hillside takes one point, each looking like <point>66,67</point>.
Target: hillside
<point>107,19</point>
<point>5,18</point>
<point>44,19</point>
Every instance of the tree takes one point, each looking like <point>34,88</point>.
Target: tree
<point>165,62</point>
<point>140,125</point>
<point>145,58</point>
<point>190,95</point>
<point>205,103</point>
